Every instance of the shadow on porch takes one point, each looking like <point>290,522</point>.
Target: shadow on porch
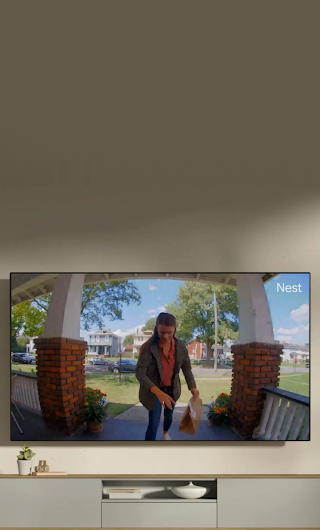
<point>117,429</point>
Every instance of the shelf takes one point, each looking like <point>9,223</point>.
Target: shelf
<point>158,491</point>
<point>164,499</point>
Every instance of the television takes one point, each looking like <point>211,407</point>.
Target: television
<point>160,357</point>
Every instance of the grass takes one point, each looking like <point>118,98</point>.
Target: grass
<point>298,365</point>
<point>121,394</point>
<point>24,367</point>
<point>214,376</point>
<point>297,383</point>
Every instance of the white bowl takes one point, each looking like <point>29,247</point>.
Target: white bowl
<point>190,492</point>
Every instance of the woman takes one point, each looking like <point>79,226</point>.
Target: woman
<point>157,371</point>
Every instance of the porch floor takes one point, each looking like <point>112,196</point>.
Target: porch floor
<point>120,428</point>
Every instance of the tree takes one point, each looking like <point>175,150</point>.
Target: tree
<point>182,332</point>
<point>150,324</point>
<point>28,318</point>
<point>98,301</point>
<point>128,340</point>
<point>194,312</point>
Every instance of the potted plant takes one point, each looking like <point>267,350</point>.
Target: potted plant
<point>95,409</point>
<point>25,460</point>
<point>218,410</point>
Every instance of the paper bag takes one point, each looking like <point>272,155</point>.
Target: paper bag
<point>191,417</point>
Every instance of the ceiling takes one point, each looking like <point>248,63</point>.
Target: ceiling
<point>28,286</point>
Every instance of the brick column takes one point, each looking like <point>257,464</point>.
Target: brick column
<point>61,382</point>
<point>255,365</point>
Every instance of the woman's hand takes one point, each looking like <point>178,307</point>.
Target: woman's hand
<point>165,399</point>
<point>195,393</point>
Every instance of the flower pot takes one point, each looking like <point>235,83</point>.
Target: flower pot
<point>95,426</point>
<point>216,421</point>
<point>25,467</point>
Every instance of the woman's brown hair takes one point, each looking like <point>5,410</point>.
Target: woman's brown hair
<point>163,318</point>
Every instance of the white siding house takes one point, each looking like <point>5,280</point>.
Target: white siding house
<point>104,342</point>
<point>139,338</point>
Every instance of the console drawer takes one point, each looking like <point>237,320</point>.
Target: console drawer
<point>162,514</point>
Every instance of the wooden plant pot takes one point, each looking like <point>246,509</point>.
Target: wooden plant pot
<point>216,422</point>
<point>95,426</point>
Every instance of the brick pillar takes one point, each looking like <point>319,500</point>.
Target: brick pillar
<point>61,382</point>
<point>255,365</point>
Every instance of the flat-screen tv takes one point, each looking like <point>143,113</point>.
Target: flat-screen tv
<point>166,356</point>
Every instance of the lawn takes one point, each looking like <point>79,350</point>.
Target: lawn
<point>24,367</point>
<point>121,394</point>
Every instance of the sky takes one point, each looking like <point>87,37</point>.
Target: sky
<point>155,295</point>
<point>289,310</point>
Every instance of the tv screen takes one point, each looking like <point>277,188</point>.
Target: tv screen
<point>168,357</point>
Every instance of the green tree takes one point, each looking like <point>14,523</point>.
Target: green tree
<point>150,324</point>
<point>194,312</point>
<point>128,340</point>
<point>28,318</point>
<point>98,301</point>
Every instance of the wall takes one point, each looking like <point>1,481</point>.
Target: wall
<point>220,114</point>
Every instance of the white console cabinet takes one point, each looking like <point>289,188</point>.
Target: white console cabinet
<point>159,507</point>
<point>83,502</point>
<point>50,503</point>
<point>268,503</point>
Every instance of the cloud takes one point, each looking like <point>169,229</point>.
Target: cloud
<point>283,338</point>
<point>161,308</point>
<point>301,314</point>
<point>129,331</point>
<point>152,287</point>
<point>298,330</point>
<point>152,310</point>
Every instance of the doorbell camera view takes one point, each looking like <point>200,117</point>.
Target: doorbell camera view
<point>166,357</point>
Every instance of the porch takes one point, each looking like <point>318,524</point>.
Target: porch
<point>129,425</point>
<point>257,356</point>
<point>285,416</point>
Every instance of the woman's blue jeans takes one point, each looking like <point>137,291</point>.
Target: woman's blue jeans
<point>154,420</point>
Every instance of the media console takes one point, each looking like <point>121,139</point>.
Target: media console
<point>78,501</point>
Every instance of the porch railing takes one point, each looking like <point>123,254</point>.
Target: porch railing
<point>25,390</point>
<point>285,416</point>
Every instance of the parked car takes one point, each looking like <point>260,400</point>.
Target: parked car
<point>99,360</point>
<point>127,365</point>
<point>23,358</point>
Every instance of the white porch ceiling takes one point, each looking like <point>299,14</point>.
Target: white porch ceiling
<point>28,286</point>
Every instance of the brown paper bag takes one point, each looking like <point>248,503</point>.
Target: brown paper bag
<point>191,417</point>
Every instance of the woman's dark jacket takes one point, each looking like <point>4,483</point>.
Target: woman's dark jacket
<point>149,372</point>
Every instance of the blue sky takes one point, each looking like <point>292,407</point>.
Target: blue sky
<point>289,310</point>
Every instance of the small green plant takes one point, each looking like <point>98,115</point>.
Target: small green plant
<point>218,410</point>
<point>26,453</point>
<point>95,404</point>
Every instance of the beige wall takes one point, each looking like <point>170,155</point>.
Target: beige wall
<point>212,117</point>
